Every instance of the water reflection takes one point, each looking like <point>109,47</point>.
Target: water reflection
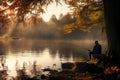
<point>65,49</point>
<point>2,49</point>
<point>19,54</point>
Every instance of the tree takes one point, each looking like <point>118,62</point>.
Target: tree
<point>112,17</point>
<point>88,14</point>
<point>21,10</point>
<point>53,19</point>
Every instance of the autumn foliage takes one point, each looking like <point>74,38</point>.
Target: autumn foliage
<point>88,13</point>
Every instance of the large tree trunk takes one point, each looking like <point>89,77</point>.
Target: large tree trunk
<point>112,20</point>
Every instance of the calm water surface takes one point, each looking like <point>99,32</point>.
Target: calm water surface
<point>43,52</point>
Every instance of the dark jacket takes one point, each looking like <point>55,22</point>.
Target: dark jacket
<point>97,49</point>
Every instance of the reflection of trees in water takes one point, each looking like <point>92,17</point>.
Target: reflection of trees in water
<point>22,73</point>
<point>64,49</point>
<point>2,49</point>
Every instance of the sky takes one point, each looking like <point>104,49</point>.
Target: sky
<point>54,9</point>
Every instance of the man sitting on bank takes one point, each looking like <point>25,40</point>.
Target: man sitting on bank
<point>97,49</point>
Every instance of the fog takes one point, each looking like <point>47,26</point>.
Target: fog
<point>53,29</point>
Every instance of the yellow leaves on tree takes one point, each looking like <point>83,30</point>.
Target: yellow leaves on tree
<point>68,28</point>
<point>90,15</point>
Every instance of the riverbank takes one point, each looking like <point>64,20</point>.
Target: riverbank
<point>87,70</point>
<point>75,70</point>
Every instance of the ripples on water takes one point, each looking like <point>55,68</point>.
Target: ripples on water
<point>25,54</point>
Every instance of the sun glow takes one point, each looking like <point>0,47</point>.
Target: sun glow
<point>56,10</point>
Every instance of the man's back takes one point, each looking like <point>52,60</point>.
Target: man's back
<point>97,49</point>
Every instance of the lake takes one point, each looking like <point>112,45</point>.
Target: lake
<point>45,53</point>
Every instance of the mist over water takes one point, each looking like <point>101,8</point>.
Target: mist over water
<point>47,51</point>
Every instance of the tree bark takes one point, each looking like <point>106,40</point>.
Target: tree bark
<point>112,20</point>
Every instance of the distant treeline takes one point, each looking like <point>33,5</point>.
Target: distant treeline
<point>54,29</point>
